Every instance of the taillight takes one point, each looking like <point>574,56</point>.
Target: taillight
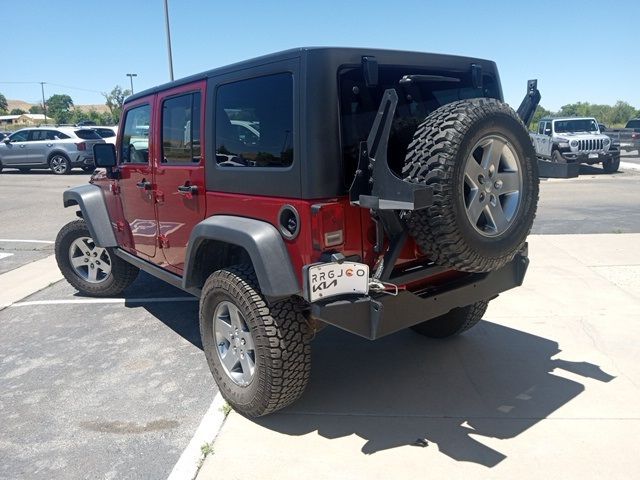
<point>81,146</point>
<point>635,135</point>
<point>327,225</point>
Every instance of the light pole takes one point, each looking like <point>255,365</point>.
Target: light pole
<point>131,75</point>
<point>166,21</point>
<point>44,105</point>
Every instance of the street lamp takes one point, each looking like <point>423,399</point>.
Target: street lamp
<point>131,75</point>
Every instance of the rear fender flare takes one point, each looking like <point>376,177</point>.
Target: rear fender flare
<point>90,199</point>
<point>263,244</point>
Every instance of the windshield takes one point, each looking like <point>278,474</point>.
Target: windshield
<point>573,126</point>
<point>359,105</point>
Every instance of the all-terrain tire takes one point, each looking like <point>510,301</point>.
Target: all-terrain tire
<point>453,323</point>
<point>611,166</point>
<point>438,155</point>
<point>122,274</point>
<point>280,336</point>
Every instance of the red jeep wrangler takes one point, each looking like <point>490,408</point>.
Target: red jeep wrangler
<point>367,189</point>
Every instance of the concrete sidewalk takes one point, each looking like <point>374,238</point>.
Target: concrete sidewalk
<point>547,385</point>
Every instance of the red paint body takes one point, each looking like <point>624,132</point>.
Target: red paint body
<point>155,224</point>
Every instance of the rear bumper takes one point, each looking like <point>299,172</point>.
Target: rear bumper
<point>374,316</point>
<point>82,160</point>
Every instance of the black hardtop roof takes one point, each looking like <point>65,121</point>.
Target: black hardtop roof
<point>346,53</point>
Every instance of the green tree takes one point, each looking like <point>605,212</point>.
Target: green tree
<point>114,102</point>
<point>36,109</point>
<point>59,108</point>
<point>17,111</point>
<point>539,113</point>
<point>3,105</point>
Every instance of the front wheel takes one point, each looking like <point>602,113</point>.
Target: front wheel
<point>91,269</point>
<point>259,354</point>
<point>453,323</point>
<point>60,164</point>
<point>612,165</point>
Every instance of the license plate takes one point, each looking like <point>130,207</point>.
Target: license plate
<point>593,155</point>
<point>331,279</point>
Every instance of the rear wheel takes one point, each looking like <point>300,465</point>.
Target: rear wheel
<point>259,355</point>
<point>478,158</point>
<point>91,269</point>
<point>60,164</point>
<point>455,322</point>
<point>612,165</point>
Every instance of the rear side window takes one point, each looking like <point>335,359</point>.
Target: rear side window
<point>181,129</point>
<point>105,132</point>
<point>359,105</point>
<point>633,124</point>
<point>254,122</point>
<point>135,137</point>
<point>87,134</point>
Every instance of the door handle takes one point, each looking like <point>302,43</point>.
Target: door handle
<point>143,184</point>
<point>192,189</point>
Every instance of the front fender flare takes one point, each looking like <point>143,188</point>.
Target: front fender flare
<point>262,242</point>
<point>94,212</point>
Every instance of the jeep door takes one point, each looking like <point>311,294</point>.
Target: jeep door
<point>179,174</point>
<point>136,190</point>
<point>16,152</point>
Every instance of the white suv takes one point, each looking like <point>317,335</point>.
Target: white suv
<point>57,148</point>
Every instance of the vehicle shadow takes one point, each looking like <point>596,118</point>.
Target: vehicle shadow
<point>179,316</point>
<point>40,171</point>
<point>405,389</point>
<point>595,170</point>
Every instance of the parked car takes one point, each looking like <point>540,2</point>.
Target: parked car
<point>628,137</point>
<point>57,148</point>
<point>406,203</point>
<point>575,140</point>
<point>109,134</point>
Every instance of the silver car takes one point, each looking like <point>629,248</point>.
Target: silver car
<point>57,148</point>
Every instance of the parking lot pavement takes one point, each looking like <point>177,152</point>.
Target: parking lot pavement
<point>31,211</point>
<point>545,387</point>
<point>100,390</point>
<point>594,202</point>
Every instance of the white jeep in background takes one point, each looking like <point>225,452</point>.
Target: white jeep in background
<point>575,140</point>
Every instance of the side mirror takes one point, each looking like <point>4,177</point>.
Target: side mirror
<point>6,140</point>
<point>547,131</point>
<point>104,155</point>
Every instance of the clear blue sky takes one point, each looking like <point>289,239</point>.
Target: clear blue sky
<point>579,50</point>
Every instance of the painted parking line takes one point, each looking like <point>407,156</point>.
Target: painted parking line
<point>117,301</point>
<point>187,465</point>
<point>16,240</point>
<point>5,255</point>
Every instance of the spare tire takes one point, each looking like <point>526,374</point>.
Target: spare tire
<point>479,159</point>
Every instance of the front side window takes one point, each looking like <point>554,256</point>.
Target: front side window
<point>633,124</point>
<point>20,136</point>
<point>181,129</point>
<point>541,127</point>
<point>135,137</point>
<point>254,122</point>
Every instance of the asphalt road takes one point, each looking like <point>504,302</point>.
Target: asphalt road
<point>117,390</point>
